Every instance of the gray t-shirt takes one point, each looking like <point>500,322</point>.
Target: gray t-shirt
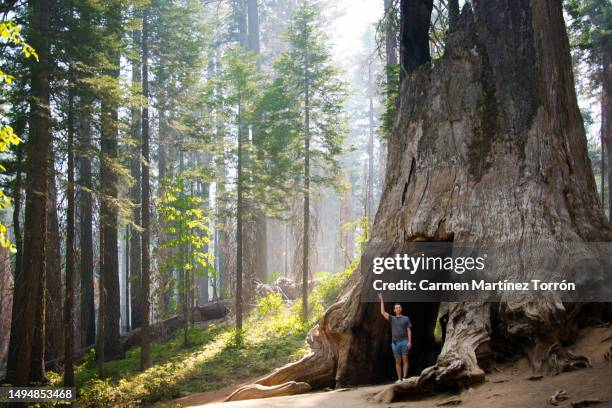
<point>399,327</point>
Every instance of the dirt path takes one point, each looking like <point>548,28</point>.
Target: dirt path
<point>507,387</point>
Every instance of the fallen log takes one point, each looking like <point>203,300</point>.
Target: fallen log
<point>287,288</point>
<point>164,329</point>
<point>160,331</point>
<point>255,391</point>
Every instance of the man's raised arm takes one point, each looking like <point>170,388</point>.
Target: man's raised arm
<point>382,307</point>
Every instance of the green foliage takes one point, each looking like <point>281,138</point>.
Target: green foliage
<point>234,95</point>
<point>391,92</point>
<point>10,34</point>
<point>590,27</point>
<point>306,69</point>
<point>185,223</point>
<point>590,34</point>
<point>270,305</point>
<point>274,334</point>
<point>273,276</point>
<point>272,337</point>
<point>330,285</point>
<point>187,231</point>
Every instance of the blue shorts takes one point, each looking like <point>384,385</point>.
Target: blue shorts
<point>399,347</point>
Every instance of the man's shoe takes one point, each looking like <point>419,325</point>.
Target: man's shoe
<point>398,382</point>
<point>405,379</point>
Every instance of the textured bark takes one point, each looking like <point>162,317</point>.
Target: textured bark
<point>145,359</point>
<point>488,146</point>
<point>87,312</point>
<point>70,270</point>
<point>390,34</point>
<point>203,280</point>
<point>306,219</point>
<point>6,304</point>
<point>453,14</point>
<point>606,117</point>
<point>20,125</point>
<point>370,181</point>
<point>26,346</point>
<point>253,25</point>
<point>239,223</point>
<point>109,251</point>
<point>415,19</point>
<point>100,343</point>
<point>135,264</point>
<point>163,172</point>
<point>259,244</point>
<point>54,326</point>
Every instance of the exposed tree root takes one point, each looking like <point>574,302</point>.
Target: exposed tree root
<point>262,391</point>
<point>560,360</point>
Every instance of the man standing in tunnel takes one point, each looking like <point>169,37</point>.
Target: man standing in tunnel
<point>401,337</point>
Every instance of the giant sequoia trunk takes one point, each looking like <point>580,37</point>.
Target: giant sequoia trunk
<point>488,146</point>
<point>25,361</point>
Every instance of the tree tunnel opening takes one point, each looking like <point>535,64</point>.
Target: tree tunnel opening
<point>425,348</point>
<point>370,351</point>
<point>371,345</point>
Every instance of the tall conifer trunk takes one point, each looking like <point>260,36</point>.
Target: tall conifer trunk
<point>87,319</point>
<point>70,272</point>
<point>27,325</point>
<point>306,219</point>
<point>135,263</point>
<point>84,122</point>
<point>54,327</point>
<point>109,192</point>
<point>145,359</point>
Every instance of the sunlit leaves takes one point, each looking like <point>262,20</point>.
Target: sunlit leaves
<point>186,227</point>
<point>9,34</point>
<point>7,138</point>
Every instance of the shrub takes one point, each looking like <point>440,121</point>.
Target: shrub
<point>270,305</point>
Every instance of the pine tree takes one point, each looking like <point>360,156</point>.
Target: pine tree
<point>145,359</point>
<point>314,98</point>
<point>590,29</point>
<point>109,183</point>
<point>70,231</point>
<point>84,57</point>
<point>241,83</point>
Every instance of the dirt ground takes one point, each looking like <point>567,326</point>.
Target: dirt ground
<point>506,386</point>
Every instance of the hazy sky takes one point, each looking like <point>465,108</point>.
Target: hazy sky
<point>346,32</point>
<point>354,17</point>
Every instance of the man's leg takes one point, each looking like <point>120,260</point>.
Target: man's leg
<point>398,367</point>
<point>405,361</point>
